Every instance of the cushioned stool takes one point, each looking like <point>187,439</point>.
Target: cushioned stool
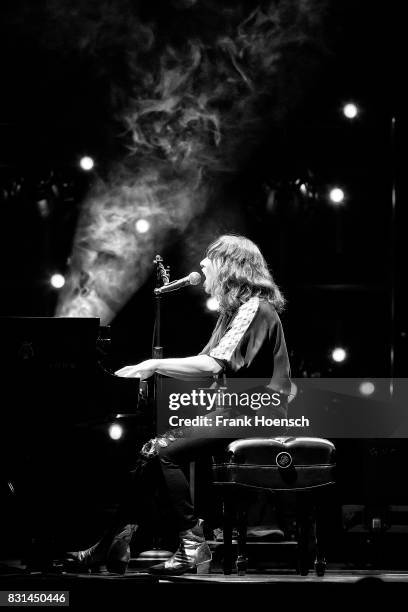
<point>304,466</point>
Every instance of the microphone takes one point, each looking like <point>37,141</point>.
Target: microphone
<point>194,278</point>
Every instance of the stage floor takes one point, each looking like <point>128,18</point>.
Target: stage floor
<point>13,575</point>
<point>331,577</point>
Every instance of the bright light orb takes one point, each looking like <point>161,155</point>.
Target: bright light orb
<point>115,431</point>
<point>212,304</point>
<point>43,207</point>
<point>86,163</point>
<point>142,226</point>
<point>367,387</point>
<point>336,195</point>
<point>350,110</point>
<point>57,281</point>
<point>339,354</point>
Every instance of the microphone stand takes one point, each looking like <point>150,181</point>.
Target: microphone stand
<point>162,278</point>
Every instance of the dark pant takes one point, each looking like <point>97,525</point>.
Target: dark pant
<point>172,458</point>
<point>160,482</point>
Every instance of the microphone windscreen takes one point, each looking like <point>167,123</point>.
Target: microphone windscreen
<point>194,278</point>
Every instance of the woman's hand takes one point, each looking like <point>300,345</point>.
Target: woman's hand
<point>142,370</point>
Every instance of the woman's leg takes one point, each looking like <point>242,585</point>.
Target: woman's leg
<point>172,458</point>
<point>161,476</point>
<point>193,553</point>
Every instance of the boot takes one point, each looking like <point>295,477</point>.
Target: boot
<point>118,557</point>
<point>192,556</point>
<point>113,550</point>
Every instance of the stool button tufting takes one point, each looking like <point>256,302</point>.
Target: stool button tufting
<point>283,459</point>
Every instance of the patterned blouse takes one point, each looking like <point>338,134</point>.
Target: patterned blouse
<point>251,344</point>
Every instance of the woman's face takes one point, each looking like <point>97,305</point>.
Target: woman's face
<point>209,269</point>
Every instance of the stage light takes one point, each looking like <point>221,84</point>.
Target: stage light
<point>271,201</point>
<point>366,387</point>
<point>338,354</point>
<point>43,207</point>
<point>336,195</point>
<point>212,304</point>
<point>86,163</point>
<point>142,226</point>
<point>115,431</point>
<point>350,110</point>
<point>57,281</point>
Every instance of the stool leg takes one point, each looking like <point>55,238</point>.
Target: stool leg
<point>242,560</point>
<point>303,526</point>
<point>320,531</point>
<point>227,531</point>
<point>320,561</point>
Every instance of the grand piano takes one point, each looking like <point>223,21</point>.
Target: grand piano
<point>58,464</point>
<point>59,368</point>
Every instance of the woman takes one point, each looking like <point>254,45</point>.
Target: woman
<point>247,341</point>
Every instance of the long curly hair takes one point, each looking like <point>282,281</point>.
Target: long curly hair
<point>241,273</point>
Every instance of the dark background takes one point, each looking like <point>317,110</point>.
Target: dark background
<point>335,264</point>
<point>340,268</point>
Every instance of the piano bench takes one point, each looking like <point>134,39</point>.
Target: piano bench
<point>303,467</point>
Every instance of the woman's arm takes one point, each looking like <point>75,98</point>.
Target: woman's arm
<point>184,368</point>
<point>188,367</point>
